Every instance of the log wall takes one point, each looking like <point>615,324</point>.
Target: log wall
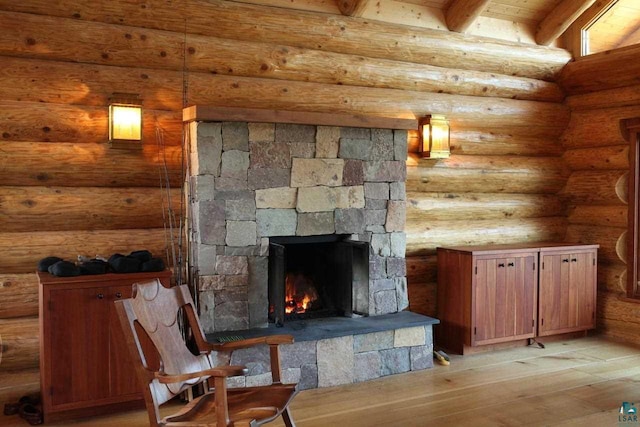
<point>64,192</point>
<point>597,192</point>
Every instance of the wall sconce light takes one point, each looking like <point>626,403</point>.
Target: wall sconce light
<point>125,121</point>
<point>433,133</point>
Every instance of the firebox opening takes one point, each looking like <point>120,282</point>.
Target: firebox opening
<point>318,276</point>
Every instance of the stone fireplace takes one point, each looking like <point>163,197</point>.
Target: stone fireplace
<point>265,193</point>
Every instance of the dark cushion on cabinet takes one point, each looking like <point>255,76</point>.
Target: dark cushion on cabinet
<point>125,264</point>
<point>143,256</point>
<point>154,264</point>
<point>94,266</point>
<point>64,269</point>
<point>45,263</point>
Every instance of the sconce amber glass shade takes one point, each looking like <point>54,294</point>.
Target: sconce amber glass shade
<point>125,122</point>
<point>434,137</point>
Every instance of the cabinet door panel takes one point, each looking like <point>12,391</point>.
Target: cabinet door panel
<point>123,378</point>
<point>79,335</point>
<point>583,278</point>
<point>505,296</point>
<point>485,291</point>
<point>525,291</point>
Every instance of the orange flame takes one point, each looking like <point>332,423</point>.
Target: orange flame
<point>300,293</point>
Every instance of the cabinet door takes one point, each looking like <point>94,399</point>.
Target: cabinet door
<point>77,339</point>
<point>504,299</point>
<point>567,292</point>
<point>583,278</point>
<point>123,376</point>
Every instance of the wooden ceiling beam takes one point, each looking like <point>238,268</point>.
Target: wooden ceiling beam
<point>462,13</point>
<point>353,8</point>
<point>559,19</point>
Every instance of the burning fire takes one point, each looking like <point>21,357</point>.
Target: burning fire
<point>300,293</point>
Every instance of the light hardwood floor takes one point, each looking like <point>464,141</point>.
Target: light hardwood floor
<point>579,382</point>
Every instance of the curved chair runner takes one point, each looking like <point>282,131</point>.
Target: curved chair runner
<point>153,311</point>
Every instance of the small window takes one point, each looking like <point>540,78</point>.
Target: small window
<point>616,25</point>
<point>633,240</point>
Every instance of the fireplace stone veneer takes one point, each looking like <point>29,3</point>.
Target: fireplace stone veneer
<point>249,182</point>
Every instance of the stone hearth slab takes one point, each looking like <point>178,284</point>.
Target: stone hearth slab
<point>333,327</point>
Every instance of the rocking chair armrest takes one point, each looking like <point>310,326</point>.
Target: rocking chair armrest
<point>250,342</point>
<point>220,371</point>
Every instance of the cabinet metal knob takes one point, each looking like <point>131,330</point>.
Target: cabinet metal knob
<point>574,260</point>
<point>501,264</point>
<point>565,260</point>
<point>511,264</point>
<point>118,294</point>
<point>100,296</point>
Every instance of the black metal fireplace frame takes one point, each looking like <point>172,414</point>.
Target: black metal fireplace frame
<point>351,263</point>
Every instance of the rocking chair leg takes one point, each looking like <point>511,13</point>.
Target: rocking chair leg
<point>286,416</point>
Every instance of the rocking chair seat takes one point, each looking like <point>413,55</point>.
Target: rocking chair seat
<point>245,405</point>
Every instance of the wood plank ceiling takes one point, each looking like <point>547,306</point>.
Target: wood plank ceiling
<point>549,19</point>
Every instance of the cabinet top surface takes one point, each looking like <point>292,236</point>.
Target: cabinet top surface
<point>520,247</point>
<point>48,279</point>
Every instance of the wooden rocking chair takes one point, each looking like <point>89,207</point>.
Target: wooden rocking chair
<point>153,311</point>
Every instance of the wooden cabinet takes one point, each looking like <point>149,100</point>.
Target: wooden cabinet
<point>84,367</point>
<point>495,294</point>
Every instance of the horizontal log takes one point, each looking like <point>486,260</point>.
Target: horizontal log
<point>424,238</point>
<point>422,269</point>
<point>482,181</point>
<point>86,165</point>
<point>618,330</point>
<point>463,111</point>
<point>60,82</point>
<point>18,295</point>
<point>20,252</point>
<point>85,208</point>
<point>20,343</point>
<point>613,157</point>
<point>612,240</point>
<point>611,98</point>
<point>596,128</point>
<point>604,70</point>
<point>599,215</point>
<point>597,188</point>
<point>422,298</point>
<point>614,307</point>
<point>35,121</point>
<point>15,384</point>
<point>320,31</point>
<point>218,56</point>
<point>612,277</point>
<point>475,139</point>
<point>508,164</point>
<point>425,207</point>
<point>490,143</point>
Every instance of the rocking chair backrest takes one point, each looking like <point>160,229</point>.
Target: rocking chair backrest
<point>155,309</point>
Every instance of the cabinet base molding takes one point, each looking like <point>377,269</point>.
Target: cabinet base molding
<point>92,411</point>
<point>467,350</point>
